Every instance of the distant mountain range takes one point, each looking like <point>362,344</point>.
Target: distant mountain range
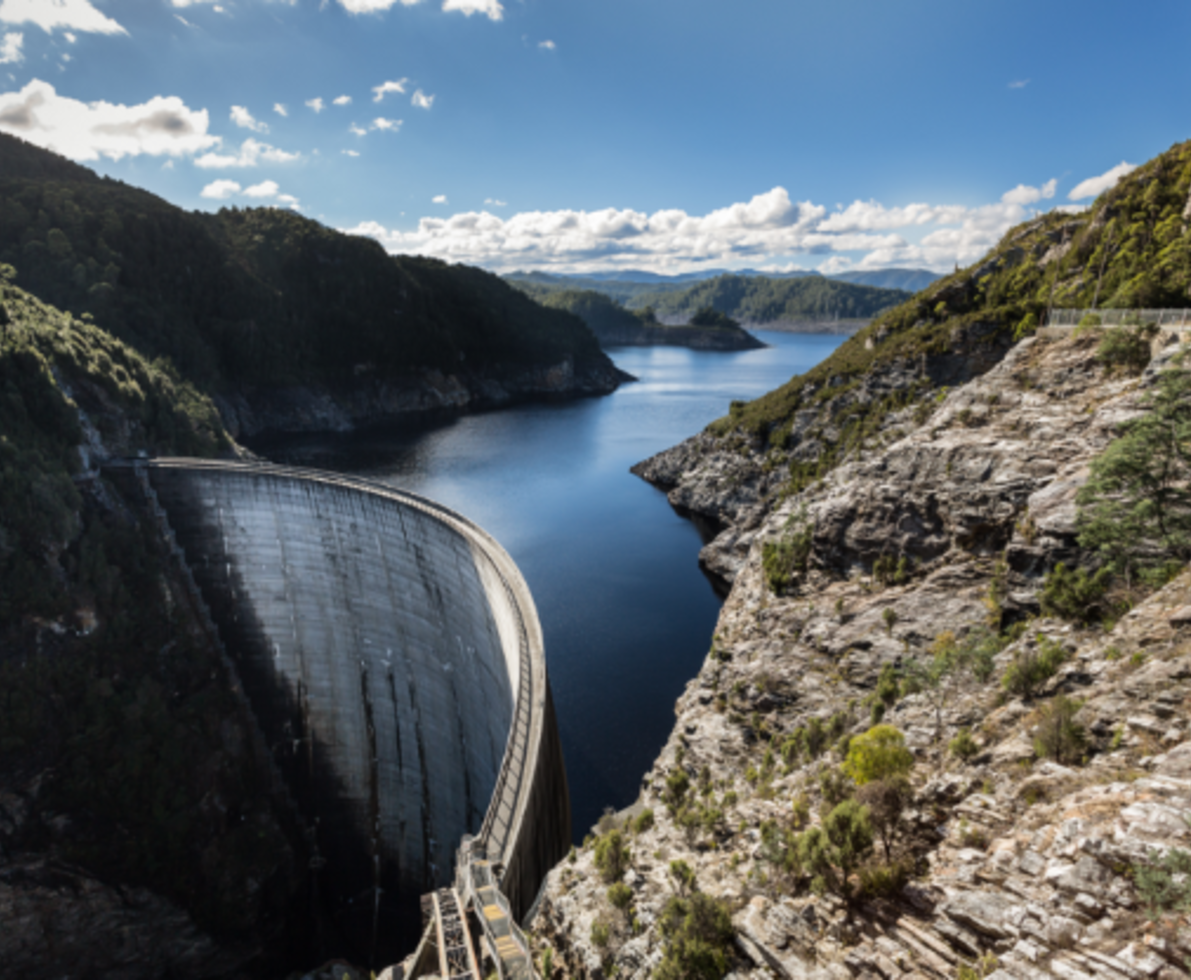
<point>911,280</point>
<point>791,302</point>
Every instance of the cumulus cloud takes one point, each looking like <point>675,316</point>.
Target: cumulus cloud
<point>421,100</point>
<point>357,130</point>
<point>548,45</point>
<point>10,48</point>
<point>389,125</point>
<point>1024,194</point>
<point>220,190</point>
<point>49,15</point>
<point>768,230</point>
<point>1095,186</point>
<point>316,104</point>
<point>468,7</point>
<point>90,130</point>
<point>343,100</point>
<point>266,188</point>
<point>289,201</point>
<point>243,118</point>
<point>280,109</point>
<point>439,199</point>
<point>251,153</point>
<point>372,6</point>
<point>384,88</point>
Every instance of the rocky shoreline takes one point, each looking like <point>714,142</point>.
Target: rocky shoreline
<point>1018,866</point>
<point>372,401</point>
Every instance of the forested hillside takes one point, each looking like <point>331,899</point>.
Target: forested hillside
<point>260,296</point>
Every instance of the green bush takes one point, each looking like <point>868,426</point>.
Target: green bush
<point>1164,884</point>
<point>1125,350</point>
<point>1026,327</point>
<point>698,937</point>
<point>612,856</point>
<point>884,880</point>
<point>1075,595</point>
<point>1032,667</point>
<point>830,853</point>
<point>1059,736</point>
<point>887,685</point>
<point>880,753</point>
<point>782,560</point>
<point>600,933</point>
<point>620,896</point>
<point>963,746</point>
<point>643,822</point>
<point>677,785</point>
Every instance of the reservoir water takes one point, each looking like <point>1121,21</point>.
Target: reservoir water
<point>626,612</point>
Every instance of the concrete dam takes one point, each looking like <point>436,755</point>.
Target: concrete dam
<point>392,654</point>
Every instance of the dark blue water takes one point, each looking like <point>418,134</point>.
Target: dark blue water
<point>627,614</point>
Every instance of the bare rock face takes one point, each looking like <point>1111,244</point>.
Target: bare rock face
<point>1016,864</point>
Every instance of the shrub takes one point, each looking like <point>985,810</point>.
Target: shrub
<point>884,880</point>
<point>963,746</point>
<point>1032,667</point>
<point>831,852</point>
<point>836,786</point>
<point>887,686</point>
<point>781,560</point>
<point>612,856</point>
<point>600,933</point>
<point>677,784</point>
<point>1164,884</point>
<point>683,875</point>
<point>1124,349</point>
<point>816,738</point>
<point>1075,595</point>
<point>1059,736</point>
<point>877,713</point>
<point>620,896</point>
<point>643,822</point>
<point>890,618</point>
<point>886,801</point>
<point>879,753</point>
<point>698,935</point>
<point>1026,327</point>
<point>888,572</point>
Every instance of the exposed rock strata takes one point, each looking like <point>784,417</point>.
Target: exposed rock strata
<point>1022,861</point>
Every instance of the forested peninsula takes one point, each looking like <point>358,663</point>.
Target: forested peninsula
<point>285,323</point>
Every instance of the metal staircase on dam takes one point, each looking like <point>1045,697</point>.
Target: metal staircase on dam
<point>474,905</point>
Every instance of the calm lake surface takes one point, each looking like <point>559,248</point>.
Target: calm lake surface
<point>627,614</point>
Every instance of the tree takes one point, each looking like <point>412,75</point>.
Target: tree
<point>1135,509</point>
<point>612,856</point>
<point>698,933</point>
<point>880,753</point>
<point>886,800</point>
<point>831,852</point>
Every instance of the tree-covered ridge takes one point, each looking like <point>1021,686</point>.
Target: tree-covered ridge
<point>600,312</point>
<point>1130,249</point>
<point>51,364</point>
<point>263,296</point>
<point>755,299</point>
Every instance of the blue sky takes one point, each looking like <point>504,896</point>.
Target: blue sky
<point>577,135</point>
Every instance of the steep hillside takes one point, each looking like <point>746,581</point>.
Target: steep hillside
<point>944,726</point>
<point>138,834</point>
<point>1132,248</point>
<point>292,324</point>
<point>615,326</point>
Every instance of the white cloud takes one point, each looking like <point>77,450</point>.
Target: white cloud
<point>380,91</point>
<point>357,130</point>
<point>89,130</point>
<point>493,202</point>
<point>182,20</point>
<point>280,109</point>
<point>490,7</point>
<point>266,188</point>
<point>75,15</point>
<point>1020,83</point>
<point>421,100</point>
<point>439,199</point>
<point>548,45</point>
<point>189,3</point>
<point>251,153</point>
<point>220,190</point>
<point>390,125</point>
<point>10,48</point>
<point>372,6</point>
<point>1095,186</point>
<point>243,118</point>
<point>837,263</point>
<point>289,200</point>
<point>769,230</point>
<point>350,153</point>
<point>1024,194</point>
<point>343,100</point>
<point>316,104</point>
<point>70,37</point>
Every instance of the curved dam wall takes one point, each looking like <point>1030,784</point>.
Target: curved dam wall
<point>392,654</point>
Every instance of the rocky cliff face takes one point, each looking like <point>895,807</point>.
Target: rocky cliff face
<point>371,401</point>
<point>1015,865</point>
